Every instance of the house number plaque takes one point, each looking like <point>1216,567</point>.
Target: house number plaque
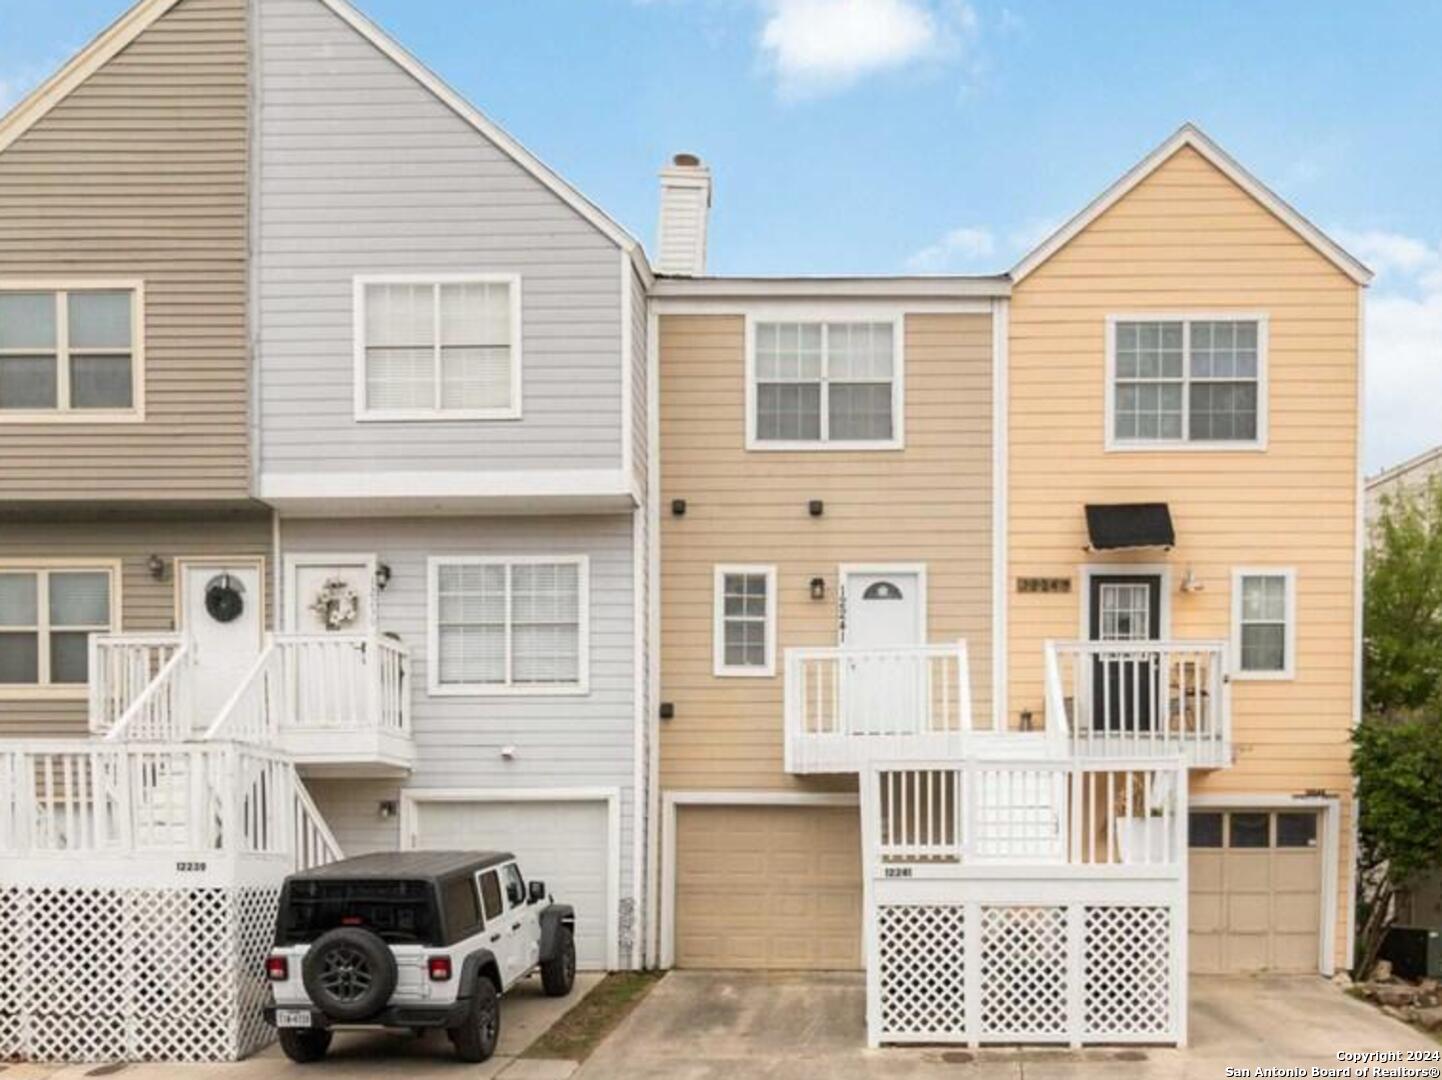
<point>1043,584</point>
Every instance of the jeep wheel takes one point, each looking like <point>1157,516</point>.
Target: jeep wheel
<point>558,974</point>
<point>349,974</point>
<point>304,1046</point>
<point>476,1038</point>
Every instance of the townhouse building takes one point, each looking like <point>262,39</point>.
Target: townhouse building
<point>1010,625</point>
<point>365,488</point>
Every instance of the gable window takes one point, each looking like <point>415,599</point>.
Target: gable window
<point>825,384</point>
<point>1264,623</point>
<point>70,353</point>
<point>439,348</point>
<point>744,619</point>
<point>1197,382</point>
<point>510,625</point>
<point>46,618</point>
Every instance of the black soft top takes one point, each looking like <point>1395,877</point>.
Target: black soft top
<point>412,865</point>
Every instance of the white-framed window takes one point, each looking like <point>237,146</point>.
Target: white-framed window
<point>1264,623</point>
<point>438,347</point>
<point>72,352</point>
<point>47,614</point>
<point>509,625</point>
<point>832,384</point>
<point>1197,382</point>
<point>744,618</point>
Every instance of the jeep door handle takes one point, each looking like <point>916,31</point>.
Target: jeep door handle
<point>495,937</point>
<point>515,926</point>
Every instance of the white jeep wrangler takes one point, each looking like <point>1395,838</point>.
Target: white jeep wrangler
<point>419,940</point>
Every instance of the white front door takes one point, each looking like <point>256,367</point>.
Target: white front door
<point>882,691</point>
<point>330,594</point>
<point>222,607</point>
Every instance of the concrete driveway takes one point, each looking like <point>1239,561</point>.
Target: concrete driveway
<point>526,1013</point>
<point>739,1026</point>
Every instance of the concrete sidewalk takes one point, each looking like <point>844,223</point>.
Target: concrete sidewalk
<point>740,1026</point>
<point>526,1014</point>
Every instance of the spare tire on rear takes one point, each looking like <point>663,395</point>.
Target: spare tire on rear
<point>349,974</point>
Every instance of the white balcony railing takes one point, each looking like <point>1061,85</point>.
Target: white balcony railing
<point>336,699</point>
<point>137,799</point>
<point>1141,698</point>
<point>1078,813</point>
<point>122,667</point>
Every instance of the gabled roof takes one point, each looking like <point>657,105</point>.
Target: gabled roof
<point>140,17</point>
<point>1193,136</point>
<point>1421,461</point>
<point>80,67</point>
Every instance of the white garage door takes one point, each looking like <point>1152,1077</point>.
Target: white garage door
<point>560,843</point>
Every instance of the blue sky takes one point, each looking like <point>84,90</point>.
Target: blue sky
<point>886,136</point>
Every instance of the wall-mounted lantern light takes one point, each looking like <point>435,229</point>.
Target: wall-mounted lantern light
<point>383,576</point>
<point>816,508</point>
<point>668,710</point>
<point>818,588</point>
<point>156,565</point>
<point>678,507</point>
<point>387,809</point>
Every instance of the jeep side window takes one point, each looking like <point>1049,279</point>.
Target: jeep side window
<point>462,907</point>
<point>515,886</point>
<point>491,894</point>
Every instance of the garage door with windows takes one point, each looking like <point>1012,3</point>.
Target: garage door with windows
<point>563,843</point>
<point>772,887</point>
<point>1256,891</point>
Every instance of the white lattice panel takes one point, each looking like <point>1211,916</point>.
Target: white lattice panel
<point>103,974</point>
<point>1128,976</point>
<point>923,970</point>
<point>1023,972</point>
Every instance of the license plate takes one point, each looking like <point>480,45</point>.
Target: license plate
<point>292,1018</point>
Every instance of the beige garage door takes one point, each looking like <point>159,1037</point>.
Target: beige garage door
<point>768,887</point>
<point>1256,891</point>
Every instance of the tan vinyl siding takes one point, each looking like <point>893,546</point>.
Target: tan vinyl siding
<point>145,604</point>
<point>1185,240</point>
<point>141,173</point>
<point>930,502</point>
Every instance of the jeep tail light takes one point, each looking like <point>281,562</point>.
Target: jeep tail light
<point>277,968</point>
<point>439,968</point>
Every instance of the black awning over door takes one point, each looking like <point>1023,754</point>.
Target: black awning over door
<point>1117,526</point>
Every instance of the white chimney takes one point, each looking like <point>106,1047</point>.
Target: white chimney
<point>685,203</point>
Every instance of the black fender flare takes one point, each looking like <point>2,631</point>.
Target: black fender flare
<point>552,919</point>
<point>480,964</point>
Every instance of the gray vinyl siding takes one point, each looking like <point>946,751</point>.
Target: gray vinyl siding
<point>640,395</point>
<point>364,171</point>
<point>140,173</point>
<point>561,741</point>
<point>147,605</point>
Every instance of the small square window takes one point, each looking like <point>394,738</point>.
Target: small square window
<point>1204,829</point>
<point>1250,830</point>
<point>1296,830</point>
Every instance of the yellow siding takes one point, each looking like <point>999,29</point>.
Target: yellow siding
<point>1187,239</point>
<point>146,605</point>
<point>141,173</point>
<point>928,503</point>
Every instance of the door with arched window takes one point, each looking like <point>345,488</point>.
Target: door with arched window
<point>883,612</point>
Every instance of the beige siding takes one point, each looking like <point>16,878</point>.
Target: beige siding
<point>928,503</point>
<point>141,173</point>
<point>145,603</point>
<point>1187,239</point>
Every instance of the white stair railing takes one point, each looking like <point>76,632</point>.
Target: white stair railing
<point>254,712</point>
<point>121,667</point>
<point>65,797</point>
<point>161,711</point>
<point>1130,698</point>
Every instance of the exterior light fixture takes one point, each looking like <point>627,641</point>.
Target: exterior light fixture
<point>818,588</point>
<point>156,565</point>
<point>387,809</point>
<point>383,575</point>
<point>816,508</point>
<point>678,507</point>
<point>668,710</point>
<point>1191,583</point>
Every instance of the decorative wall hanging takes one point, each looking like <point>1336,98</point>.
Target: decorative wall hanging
<point>224,598</point>
<point>337,604</point>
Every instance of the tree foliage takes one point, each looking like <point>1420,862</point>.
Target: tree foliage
<point>1403,608</point>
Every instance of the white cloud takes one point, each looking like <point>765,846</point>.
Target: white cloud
<point>958,247</point>
<point>819,46</point>
<point>1404,344</point>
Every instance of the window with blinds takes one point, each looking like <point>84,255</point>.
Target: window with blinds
<point>46,619</point>
<point>509,625</point>
<point>448,348</point>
